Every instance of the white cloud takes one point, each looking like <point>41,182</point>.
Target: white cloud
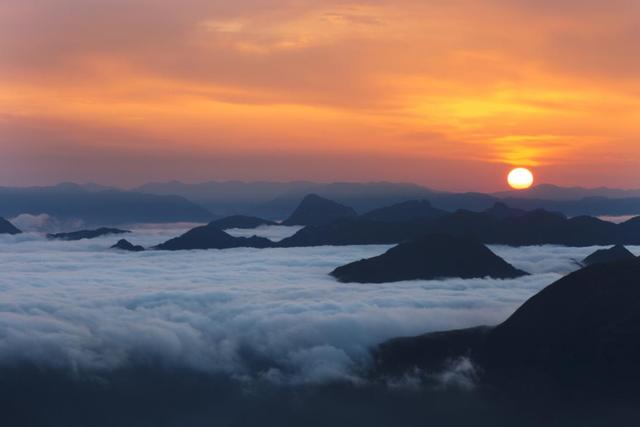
<point>43,223</point>
<point>272,232</point>
<point>272,313</point>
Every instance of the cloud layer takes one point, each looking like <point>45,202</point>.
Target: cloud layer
<point>246,313</point>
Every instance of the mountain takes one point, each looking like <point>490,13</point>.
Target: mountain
<point>405,211</point>
<point>582,331</point>
<point>7,228</point>
<point>613,254</point>
<point>175,201</point>
<point>125,245</point>
<point>69,201</point>
<point>501,211</point>
<point>583,328</point>
<point>241,221</point>
<point>356,231</point>
<point>86,234</point>
<point>211,237</point>
<point>226,197</point>
<point>595,206</point>
<point>429,257</point>
<point>316,210</point>
<point>276,200</point>
<point>536,227</point>
<point>554,192</point>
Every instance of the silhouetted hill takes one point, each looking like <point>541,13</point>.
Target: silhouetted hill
<point>97,206</point>
<point>316,210</point>
<point>125,245</point>
<point>630,227</point>
<point>530,228</point>
<point>241,221</point>
<point>7,228</point>
<point>405,211</point>
<point>615,253</point>
<point>355,231</point>
<point>276,200</point>
<point>211,237</point>
<point>501,211</point>
<point>581,331</point>
<point>87,234</point>
<point>584,327</point>
<point>429,257</point>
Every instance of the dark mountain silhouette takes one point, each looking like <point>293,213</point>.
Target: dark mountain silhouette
<point>536,227</point>
<point>630,227</point>
<point>429,257</point>
<point>355,231</point>
<point>241,221</point>
<point>125,245</point>
<point>615,253</point>
<point>276,200</point>
<point>581,331</point>
<point>211,237</point>
<point>316,210</point>
<point>584,327</point>
<point>7,228</point>
<point>86,234</point>
<point>97,206</point>
<point>501,211</point>
<point>405,211</point>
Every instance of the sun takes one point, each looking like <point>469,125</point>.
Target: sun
<point>520,178</point>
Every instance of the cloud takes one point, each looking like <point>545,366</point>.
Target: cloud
<point>44,223</point>
<point>249,314</point>
<point>271,232</point>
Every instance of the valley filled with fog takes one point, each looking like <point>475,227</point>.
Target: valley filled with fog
<point>268,314</point>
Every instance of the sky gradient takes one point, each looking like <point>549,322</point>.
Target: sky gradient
<point>449,94</point>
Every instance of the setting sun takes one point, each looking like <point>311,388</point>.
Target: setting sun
<point>520,178</point>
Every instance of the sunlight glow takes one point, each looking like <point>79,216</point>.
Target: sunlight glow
<point>520,178</point>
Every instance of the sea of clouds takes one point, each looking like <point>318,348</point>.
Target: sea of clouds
<point>271,314</point>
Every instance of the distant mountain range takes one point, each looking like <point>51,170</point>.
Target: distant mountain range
<point>497,225</point>
<point>276,201</point>
<point>332,224</point>
<point>175,201</point>
<point>97,205</point>
<point>554,192</point>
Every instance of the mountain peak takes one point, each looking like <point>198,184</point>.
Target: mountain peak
<point>316,210</point>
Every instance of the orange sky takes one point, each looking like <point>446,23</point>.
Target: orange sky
<point>444,93</point>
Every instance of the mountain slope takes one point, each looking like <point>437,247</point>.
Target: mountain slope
<point>529,228</point>
<point>7,228</point>
<point>211,237</point>
<point>405,211</point>
<point>582,331</point>
<point>613,254</point>
<point>429,257</point>
<point>111,207</point>
<point>316,210</point>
